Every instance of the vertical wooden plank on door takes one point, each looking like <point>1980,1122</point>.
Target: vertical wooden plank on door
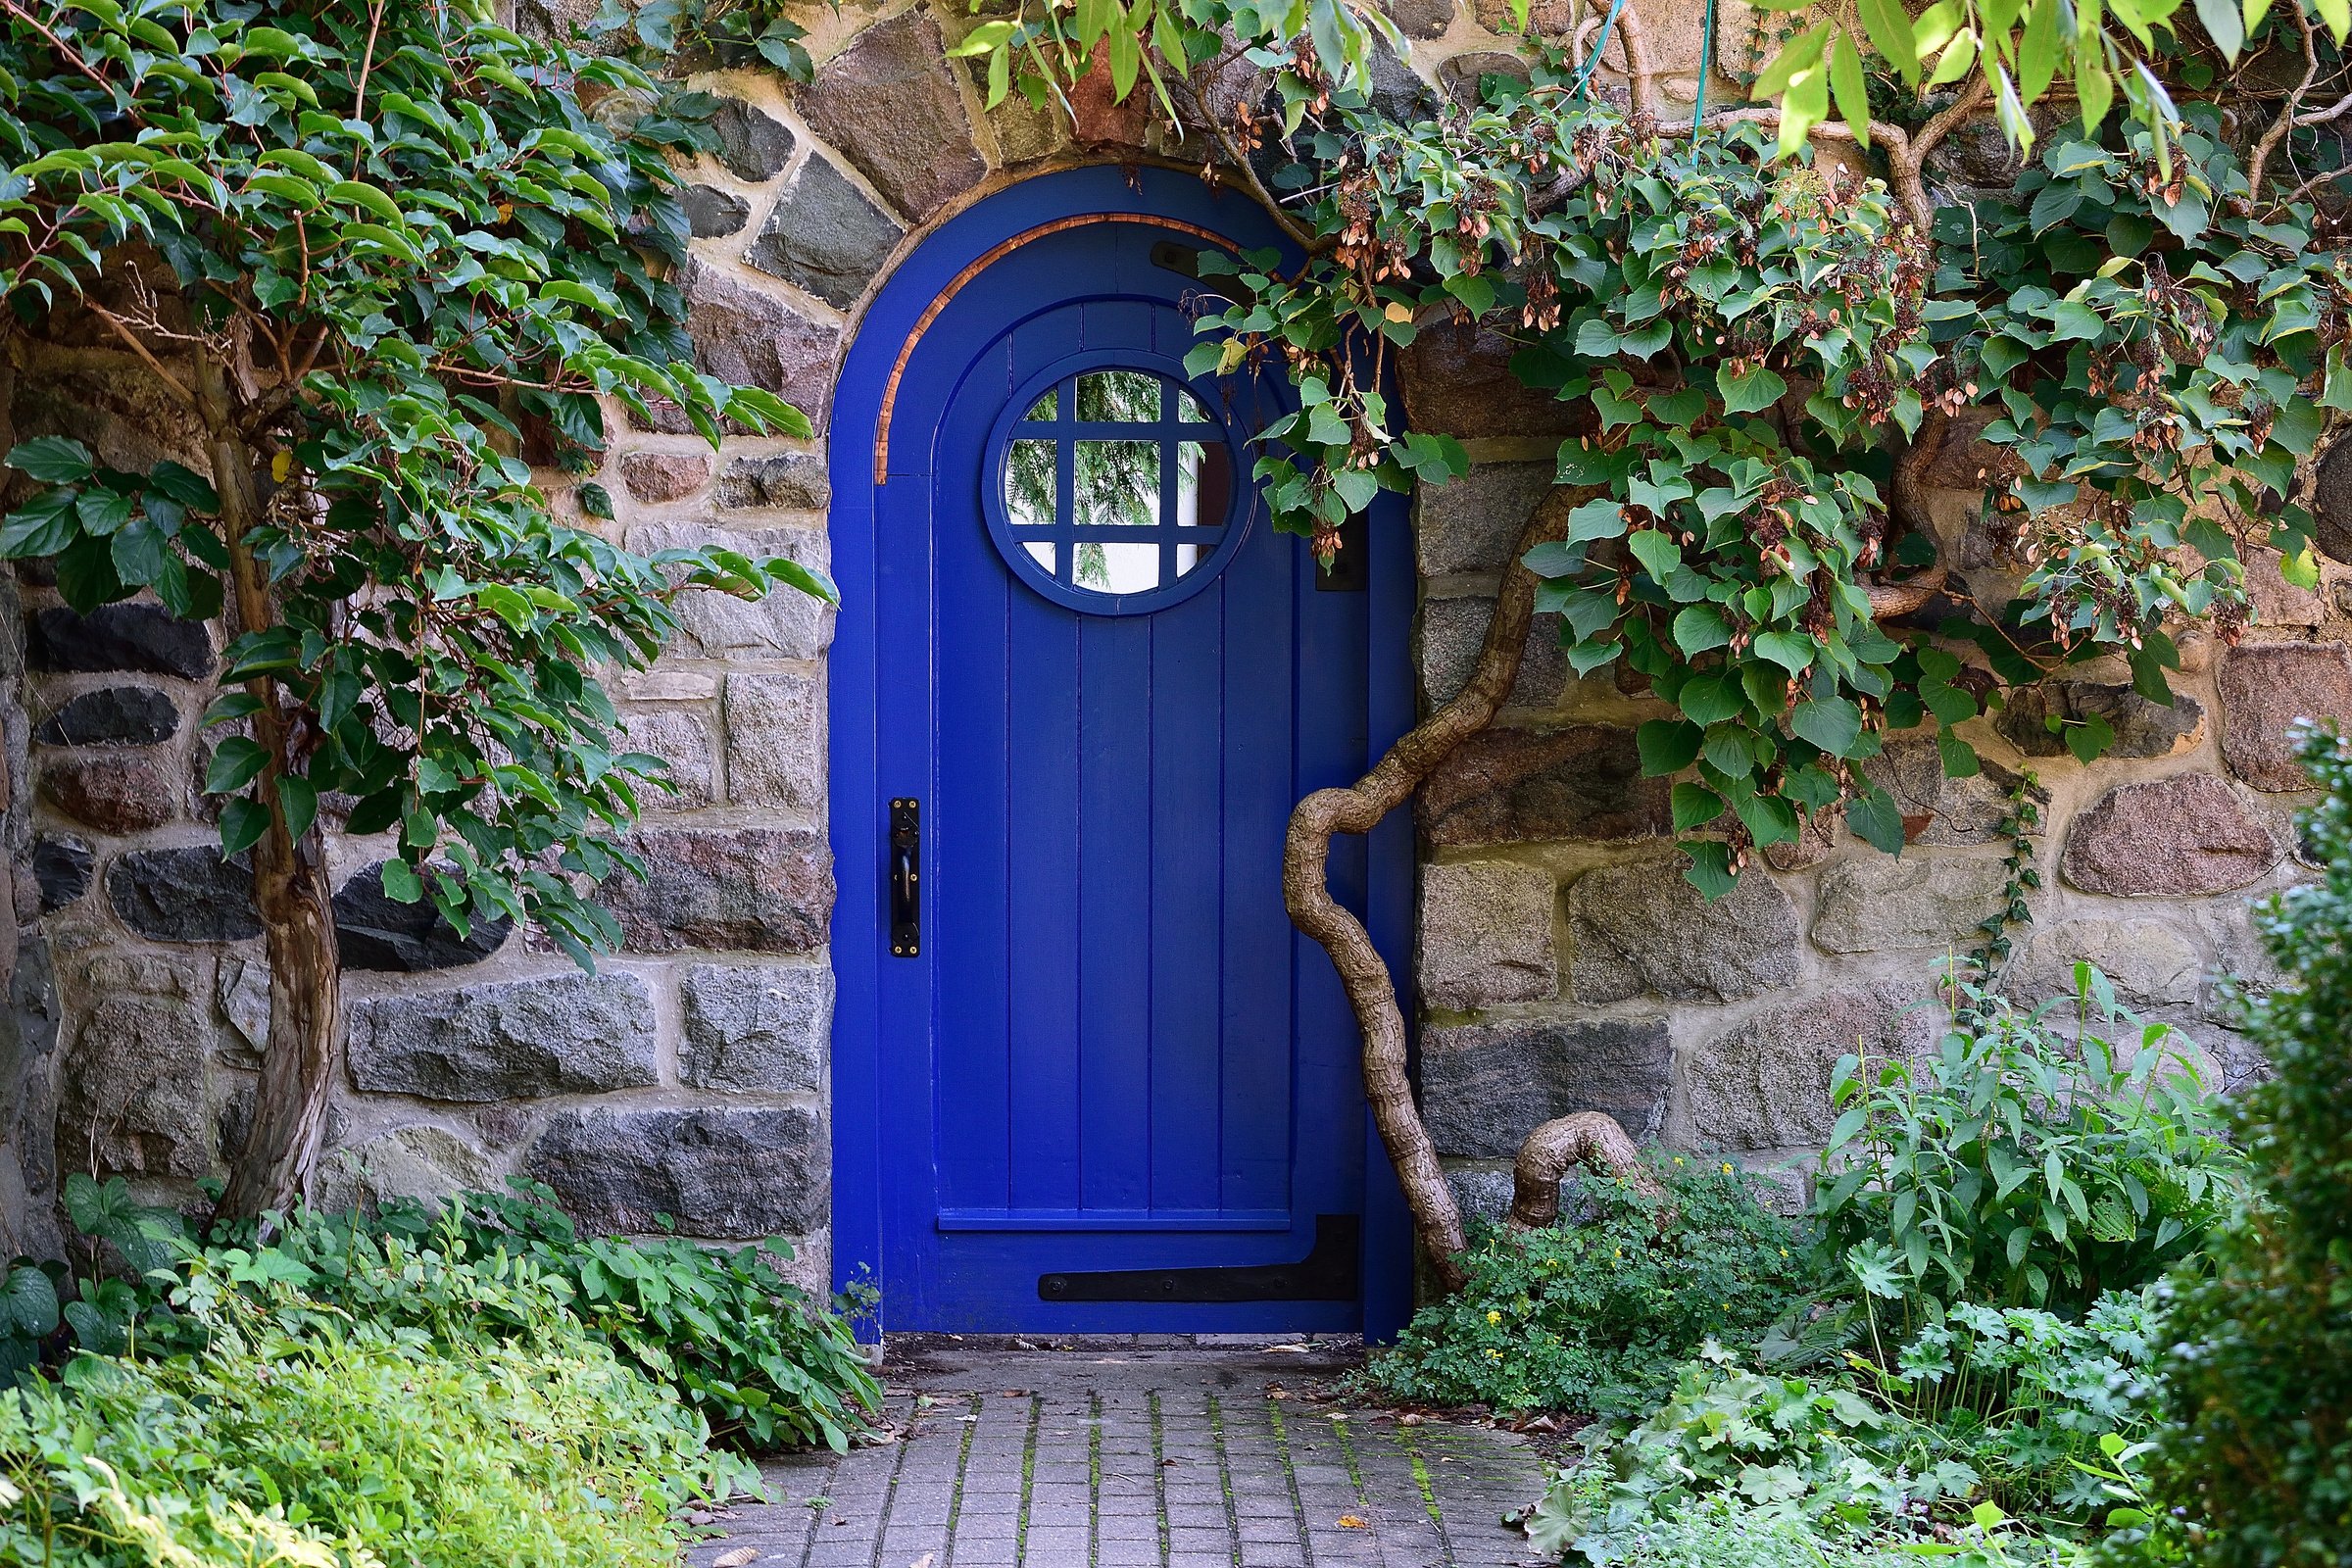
<point>967,841</point>
<point>1115,909</point>
<point>1260,700</point>
<point>1188,874</point>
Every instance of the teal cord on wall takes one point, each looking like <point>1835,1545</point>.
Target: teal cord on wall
<point>1601,45</point>
<point>1706,63</point>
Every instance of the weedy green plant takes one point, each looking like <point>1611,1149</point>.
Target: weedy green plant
<point>290,1433</point>
<point>766,1364</point>
<point>1597,1315</point>
<point>2259,1463</point>
<point>2023,1163</point>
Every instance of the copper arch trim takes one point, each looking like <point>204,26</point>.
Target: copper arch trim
<point>987,258</point>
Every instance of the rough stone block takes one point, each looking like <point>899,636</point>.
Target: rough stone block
<point>2143,728</point>
<point>2149,963</point>
<point>1764,1083</point>
<point>682,738</point>
<point>1459,76</point>
<point>2187,836</point>
<point>506,1039</point>
<point>776,741</point>
<point>133,1098</point>
<point>116,715</point>
<point>184,895</point>
<point>825,236</point>
<point>891,107</point>
<point>374,931</point>
<point>1472,524</point>
<point>1877,903</point>
<point>791,481</point>
<point>713,214</point>
<point>754,339</point>
<point>1485,935</point>
<point>1486,1085</point>
<point>756,890</point>
<point>1453,630</point>
<point>1642,928</point>
<point>60,869</point>
<point>1939,811</point>
<point>426,1163</point>
<point>734,1173</point>
<point>1517,786</point>
<point>1482,1191</point>
<point>756,1028</point>
<point>2276,602</point>
<point>785,624</point>
<point>655,477</point>
<point>127,637</point>
<point>1458,381</point>
<point>2265,687</point>
<point>753,144</point>
<point>113,789</point>
<point>1420,19</point>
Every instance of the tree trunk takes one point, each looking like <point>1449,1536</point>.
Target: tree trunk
<point>273,1169</point>
<point>1358,808</point>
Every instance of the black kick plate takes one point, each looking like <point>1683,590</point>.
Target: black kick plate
<point>1330,1272</point>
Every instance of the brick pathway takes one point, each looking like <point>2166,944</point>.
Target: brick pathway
<point>1140,1457</point>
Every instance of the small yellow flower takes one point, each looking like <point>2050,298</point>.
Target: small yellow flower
<point>1678,1159</point>
<point>1620,1252</point>
<point>1494,1356</point>
<point>1784,1251</point>
<point>1727,1167</point>
<point>1494,1316</point>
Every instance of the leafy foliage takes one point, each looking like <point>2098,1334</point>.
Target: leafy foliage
<point>293,1434</point>
<point>1597,1315</point>
<point>2260,1385</point>
<point>399,257</point>
<point>2021,1165</point>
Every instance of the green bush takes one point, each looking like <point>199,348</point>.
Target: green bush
<point>285,1432</point>
<point>747,1347</point>
<point>2259,1463</point>
<point>1596,1317</point>
<point>2023,1164</point>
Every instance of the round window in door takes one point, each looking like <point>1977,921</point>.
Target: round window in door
<point>1113,489</point>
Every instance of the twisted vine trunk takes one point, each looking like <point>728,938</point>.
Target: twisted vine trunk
<point>273,1169</point>
<point>1360,807</point>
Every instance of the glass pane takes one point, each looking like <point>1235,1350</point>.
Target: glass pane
<point>1115,569</point>
<point>1189,409</point>
<point>1117,483</point>
<point>1203,483</point>
<point>1029,482</point>
<point>1043,408</point>
<point>1126,394</point>
<point>1042,554</point>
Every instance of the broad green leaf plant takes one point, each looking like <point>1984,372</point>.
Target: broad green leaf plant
<point>393,262</point>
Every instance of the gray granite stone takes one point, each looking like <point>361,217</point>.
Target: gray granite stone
<point>1642,928</point>
<point>1486,1085</point>
<point>505,1039</point>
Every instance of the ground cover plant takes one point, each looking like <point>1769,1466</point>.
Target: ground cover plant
<point>1597,1314</point>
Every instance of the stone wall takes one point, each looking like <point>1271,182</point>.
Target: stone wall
<point>1563,962</point>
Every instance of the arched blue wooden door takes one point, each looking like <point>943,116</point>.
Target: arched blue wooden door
<point>1113,1089</point>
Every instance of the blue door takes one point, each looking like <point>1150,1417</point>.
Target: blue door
<point>1117,1091</point>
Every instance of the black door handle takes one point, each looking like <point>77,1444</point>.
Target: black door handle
<point>905,878</point>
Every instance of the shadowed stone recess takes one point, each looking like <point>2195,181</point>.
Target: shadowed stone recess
<point>1485,935</point>
<point>825,236</point>
<point>2190,836</point>
<point>1486,1085</point>
<point>184,895</point>
<point>127,637</point>
<point>2143,728</point>
<point>61,868</point>
<point>118,715</point>
<point>1459,76</point>
<point>891,107</point>
<point>374,931</point>
<point>2265,687</point>
<point>756,1028</point>
<point>754,890</point>
<point>1764,1083</point>
<point>1517,786</point>
<point>1420,19</point>
<point>1458,381</point>
<point>506,1039</point>
<point>712,213</point>
<point>133,1098</point>
<point>1642,929</point>
<point>1877,903</point>
<point>731,1173</point>
<point>753,144</point>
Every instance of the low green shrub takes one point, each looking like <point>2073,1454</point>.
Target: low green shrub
<point>2024,1164</point>
<point>281,1431</point>
<point>1596,1317</point>
<point>766,1364</point>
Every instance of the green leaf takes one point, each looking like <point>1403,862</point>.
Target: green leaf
<point>1832,724</point>
<point>1747,390</point>
<point>243,821</point>
<point>1694,806</point>
<point>2226,23</point>
<point>1657,552</point>
<point>1710,869</point>
<point>1877,821</point>
<point>1793,651</point>
<point>52,460</point>
<point>1667,745</point>
<point>1852,93</point>
<point>1699,627</point>
<point>401,882</point>
<point>595,501</point>
<point>235,764</point>
<point>298,799</point>
<point>1890,34</point>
